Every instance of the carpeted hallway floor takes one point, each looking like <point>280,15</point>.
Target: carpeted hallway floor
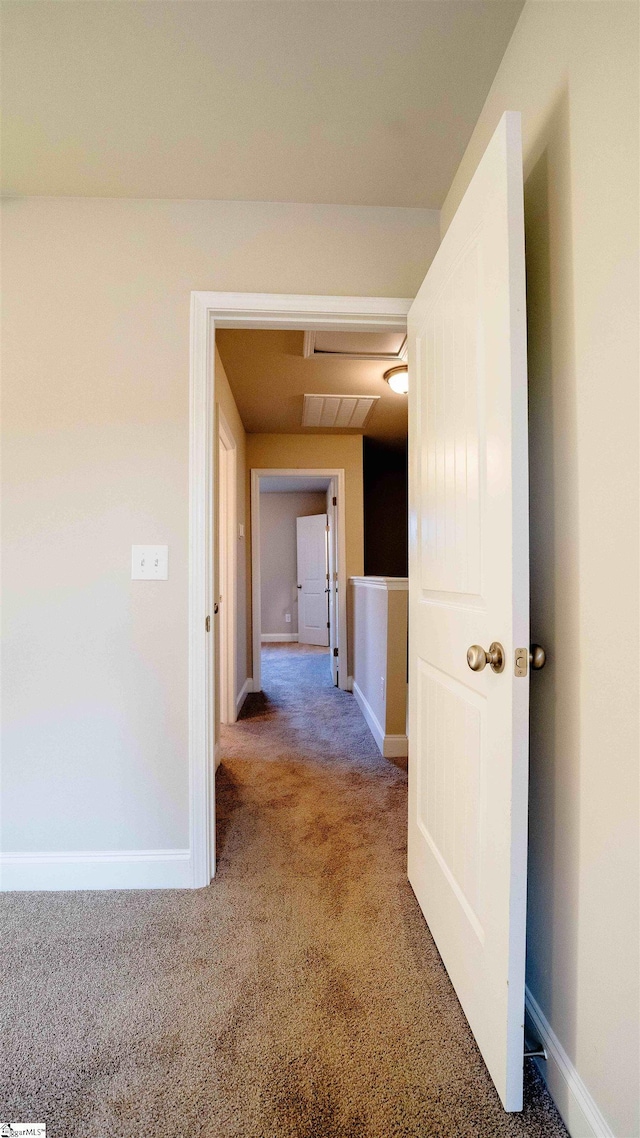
<point>299,995</point>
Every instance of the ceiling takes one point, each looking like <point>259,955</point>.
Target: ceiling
<point>270,376</point>
<point>354,102</point>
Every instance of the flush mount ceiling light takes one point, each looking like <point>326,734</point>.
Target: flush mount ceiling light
<point>398,379</point>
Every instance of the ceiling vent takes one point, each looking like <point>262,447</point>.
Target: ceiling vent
<point>337,410</point>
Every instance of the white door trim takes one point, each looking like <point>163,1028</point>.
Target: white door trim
<point>228,519</point>
<point>236,310</point>
<point>337,477</point>
<point>332,568</point>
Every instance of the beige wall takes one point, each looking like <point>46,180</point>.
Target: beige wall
<point>95,363</point>
<point>279,557</point>
<point>328,452</point>
<point>226,404</point>
<point>397,632</point>
<point>308,452</point>
<point>572,69</point>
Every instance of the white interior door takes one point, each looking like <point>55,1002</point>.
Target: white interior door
<point>469,585</point>
<point>332,583</point>
<point>313,608</point>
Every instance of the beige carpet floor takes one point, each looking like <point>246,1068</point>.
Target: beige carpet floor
<point>299,995</point>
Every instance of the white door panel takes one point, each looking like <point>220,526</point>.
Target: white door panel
<point>468,584</point>
<point>313,605</point>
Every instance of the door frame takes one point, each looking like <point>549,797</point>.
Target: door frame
<point>227,524</point>
<point>235,310</point>
<point>337,489</point>
<point>332,569</point>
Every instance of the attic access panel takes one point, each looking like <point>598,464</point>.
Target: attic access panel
<point>356,345</point>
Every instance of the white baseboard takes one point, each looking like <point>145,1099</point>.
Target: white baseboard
<point>370,716</point>
<point>243,693</point>
<point>395,747</point>
<point>108,869</point>
<point>391,746</point>
<point>279,637</point>
<point>580,1113</point>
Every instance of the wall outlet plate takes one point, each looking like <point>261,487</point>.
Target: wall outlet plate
<point>149,562</point>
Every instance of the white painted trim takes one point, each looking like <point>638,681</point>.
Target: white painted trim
<point>217,756</point>
<point>243,693</point>
<point>339,480</point>
<point>279,637</point>
<point>256,584</point>
<point>395,747</point>
<point>341,634</point>
<point>238,310</point>
<point>333,543</point>
<point>370,716</point>
<point>305,312</point>
<point>228,519</point>
<point>391,746</point>
<point>389,584</point>
<point>580,1113</point>
<point>349,684</point>
<point>97,869</point>
<point>201,643</point>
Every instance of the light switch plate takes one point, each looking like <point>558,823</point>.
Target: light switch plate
<point>149,562</point>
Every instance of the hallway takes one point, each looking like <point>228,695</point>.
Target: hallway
<point>299,996</point>
<point>354,1029</point>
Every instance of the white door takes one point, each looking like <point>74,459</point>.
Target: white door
<point>469,585</point>
<point>332,584</point>
<point>313,608</point>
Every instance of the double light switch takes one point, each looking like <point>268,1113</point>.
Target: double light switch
<point>149,562</point>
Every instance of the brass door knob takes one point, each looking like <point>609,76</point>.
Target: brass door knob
<point>477,658</point>
<point>537,656</point>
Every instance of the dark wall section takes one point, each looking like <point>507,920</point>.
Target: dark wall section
<point>385,509</point>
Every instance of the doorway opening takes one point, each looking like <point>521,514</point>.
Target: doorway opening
<point>211,311</point>
<point>299,564</point>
